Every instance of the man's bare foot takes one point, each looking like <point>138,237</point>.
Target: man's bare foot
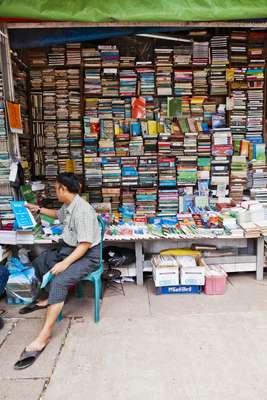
<point>37,345</point>
<point>42,303</point>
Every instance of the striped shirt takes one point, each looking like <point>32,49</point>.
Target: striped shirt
<point>80,223</point>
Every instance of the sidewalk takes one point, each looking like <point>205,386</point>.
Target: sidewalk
<point>190,347</point>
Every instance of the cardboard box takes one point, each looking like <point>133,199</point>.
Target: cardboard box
<point>194,275</point>
<point>166,276</point>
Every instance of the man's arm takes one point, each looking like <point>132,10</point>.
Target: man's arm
<point>46,211</point>
<point>78,253</point>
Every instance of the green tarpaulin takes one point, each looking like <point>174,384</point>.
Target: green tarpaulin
<point>134,10</point>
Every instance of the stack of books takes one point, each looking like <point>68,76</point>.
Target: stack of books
<point>37,58</point>
<point>164,67</point>
<point>111,172</point>
<point>167,171</point>
<point>122,138</point>
<point>238,177</point>
<point>73,54</point>
<point>200,84</point>
<point>222,142</point>
<point>110,56</point>
<point>92,82</point>
<point>127,61</point>
<point>238,47</point>
<point>148,171</point>
<point>93,172</point>
<point>182,55</point>
<point>91,57</point>
<point>111,195</point>
<point>110,82</point>
<point>220,168</point>
<point>186,171</point>
<point>91,133</point>
<point>56,56</point>
<point>146,78</point>
<point>167,202</point>
<point>146,202</point>
<point>238,117</point>
<point>128,80</point>
<point>200,53</point>
<point>183,82</point>
<point>219,62</point>
<point>129,172</point>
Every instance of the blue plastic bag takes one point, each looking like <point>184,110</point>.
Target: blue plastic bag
<point>22,284</point>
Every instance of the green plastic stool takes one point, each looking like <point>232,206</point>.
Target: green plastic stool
<point>94,278</point>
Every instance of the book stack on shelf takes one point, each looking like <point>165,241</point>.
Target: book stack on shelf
<point>186,170</point>
<point>37,58</point>
<point>63,151</point>
<point>127,61</point>
<point>146,202</point>
<point>36,79</point>
<point>167,202</point>
<point>56,56</point>
<point>146,76</point>
<point>238,117</point>
<point>200,53</point>
<point>167,171</point>
<point>238,47</point>
<point>129,172</point>
<point>183,82</point>
<point>219,62</point>
<point>106,142</point>
<point>73,54</point>
<point>91,134</point>
<point>128,82</point>
<point>110,82</point>
<point>93,175</point>
<point>91,57</point>
<point>122,138</point>
<point>238,177</point>
<point>5,190</point>
<point>164,69</point>
<point>92,82</point>
<point>203,168</point>
<point>200,83</point>
<point>111,195</point>
<point>182,55</point>
<point>148,172</point>
<point>110,56</point>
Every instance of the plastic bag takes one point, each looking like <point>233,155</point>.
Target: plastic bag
<point>116,256</point>
<point>22,284</point>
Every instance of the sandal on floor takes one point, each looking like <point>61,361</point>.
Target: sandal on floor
<point>30,308</point>
<point>27,358</point>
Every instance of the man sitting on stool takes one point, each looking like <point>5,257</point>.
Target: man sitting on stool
<point>75,257</point>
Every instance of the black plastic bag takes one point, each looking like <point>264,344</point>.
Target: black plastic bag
<point>118,256</point>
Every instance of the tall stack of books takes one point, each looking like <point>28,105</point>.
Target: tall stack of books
<point>147,80</point>
<point>128,80</point>
<point>92,82</point>
<point>186,171</point>
<point>111,172</point>
<point>73,54</point>
<point>200,53</point>
<point>200,84</point>
<point>5,190</point>
<point>110,82</point>
<point>167,171</point>
<point>222,142</point>
<point>238,47</point>
<point>167,202</point>
<point>183,82</point>
<point>93,172</point>
<point>56,56</point>
<point>122,138</point>
<point>220,168</point>
<point>182,55</point>
<point>238,117</point>
<point>146,202</point>
<point>129,172</point>
<point>238,177</point>
<point>219,62</point>
<point>148,171</point>
<point>164,67</point>
<point>110,56</point>
<point>91,57</point>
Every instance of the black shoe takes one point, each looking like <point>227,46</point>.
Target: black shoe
<point>1,323</point>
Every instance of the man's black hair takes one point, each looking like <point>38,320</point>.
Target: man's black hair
<point>70,180</point>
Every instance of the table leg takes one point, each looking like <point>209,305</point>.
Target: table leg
<point>260,258</point>
<point>139,262</point>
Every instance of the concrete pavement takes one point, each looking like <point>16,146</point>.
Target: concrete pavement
<point>190,347</point>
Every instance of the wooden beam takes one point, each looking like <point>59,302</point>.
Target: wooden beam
<point>124,24</point>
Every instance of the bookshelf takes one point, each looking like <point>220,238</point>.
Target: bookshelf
<point>138,132</point>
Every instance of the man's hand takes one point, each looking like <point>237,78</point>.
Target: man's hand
<point>59,267</point>
<point>32,207</point>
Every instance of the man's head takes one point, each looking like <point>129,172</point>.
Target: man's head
<point>67,185</point>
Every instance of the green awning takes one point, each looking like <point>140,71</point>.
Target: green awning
<point>134,10</point>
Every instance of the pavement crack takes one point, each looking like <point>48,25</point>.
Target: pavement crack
<point>8,333</point>
<point>47,380</point>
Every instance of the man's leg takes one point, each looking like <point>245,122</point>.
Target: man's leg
<point>42,339</point>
